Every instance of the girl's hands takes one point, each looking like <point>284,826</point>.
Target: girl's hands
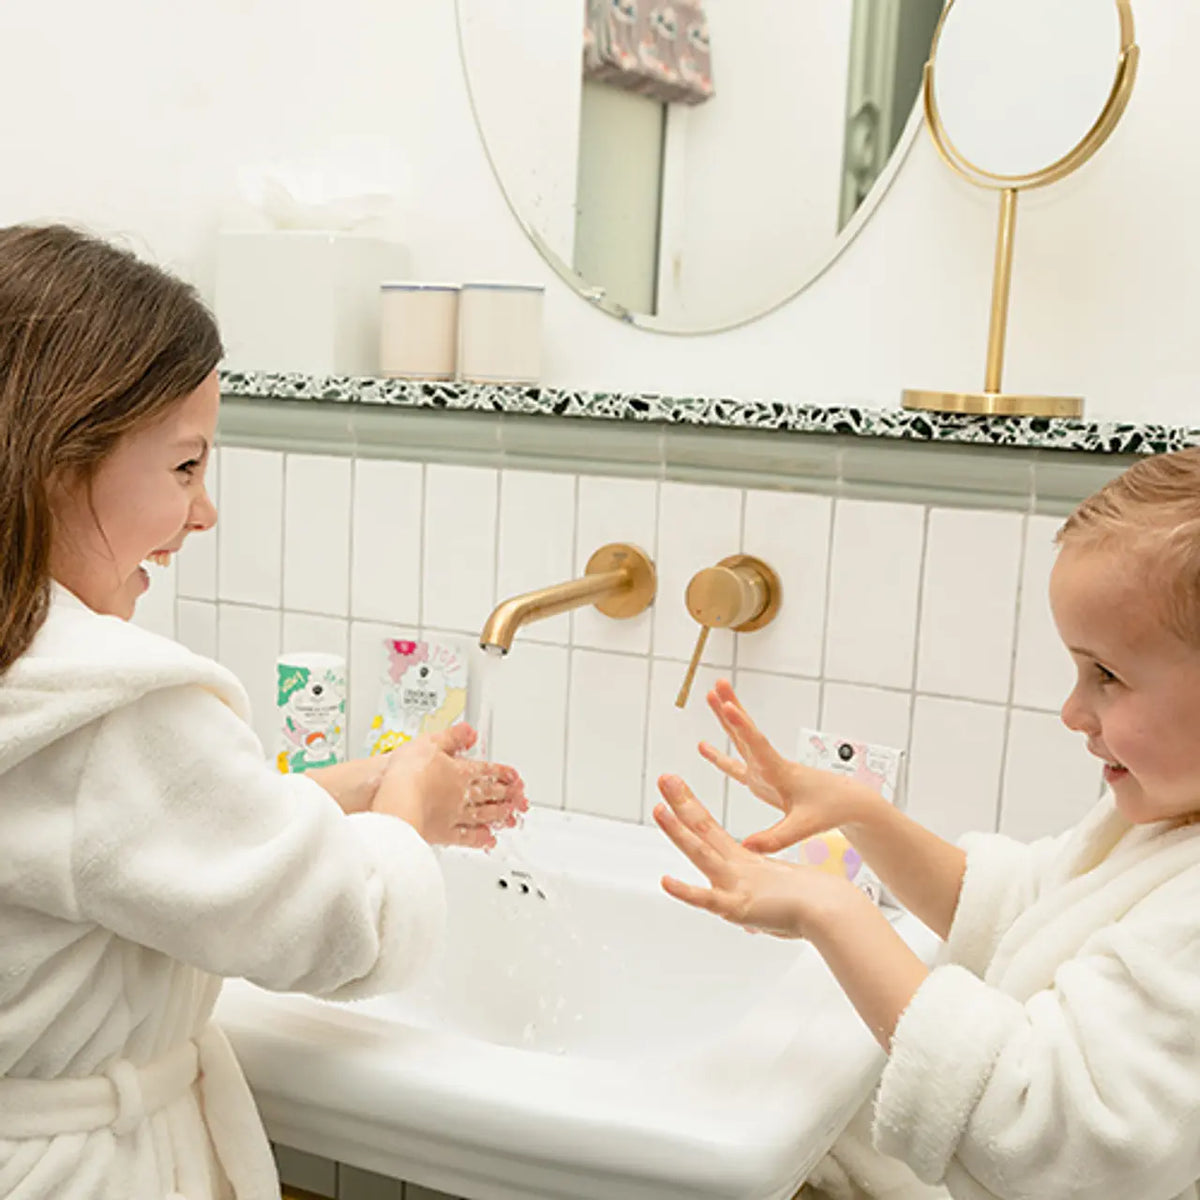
<point>812,801</point>
<point>780,898</point>
<point>352,784</point>
<point>447,799</point>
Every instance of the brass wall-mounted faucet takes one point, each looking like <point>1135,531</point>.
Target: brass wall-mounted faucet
<point>619,580</point>
<point>741,593</point>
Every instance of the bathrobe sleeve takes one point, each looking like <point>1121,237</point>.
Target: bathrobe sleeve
<point>186,841</point>
<point>1003,878</point>
<point>1088,1090</point>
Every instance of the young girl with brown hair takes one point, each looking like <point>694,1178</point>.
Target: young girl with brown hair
<point>146,847</point>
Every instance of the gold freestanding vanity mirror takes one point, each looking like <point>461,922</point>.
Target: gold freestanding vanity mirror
<point>1018,94</point>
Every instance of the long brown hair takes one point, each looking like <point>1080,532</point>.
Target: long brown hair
<point>93,343</point>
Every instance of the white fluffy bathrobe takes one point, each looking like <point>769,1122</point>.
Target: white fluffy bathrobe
<point>1055,1053</point>
<point>146,850</point>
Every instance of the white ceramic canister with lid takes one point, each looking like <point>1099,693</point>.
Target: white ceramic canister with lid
<point>418,330</point>
<point>500,332</point>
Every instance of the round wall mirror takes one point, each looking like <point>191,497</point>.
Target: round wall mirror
<point>691,213</point>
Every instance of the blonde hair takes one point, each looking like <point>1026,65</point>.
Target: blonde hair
<point>93,343</point>
<point>1152,510</point>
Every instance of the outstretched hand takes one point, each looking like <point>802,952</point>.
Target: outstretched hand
<point>745,888</point>
<point>812,801</point>
<point>448,799</point>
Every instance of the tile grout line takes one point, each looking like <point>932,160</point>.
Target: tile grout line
<point>351,558</point>
<point>913,693</point>
<point>737,657</point>
<point>648,693</point>
<point>489,741</point>
<point>570,648</point>
<point>826,612</point>
<point>421,539</point>
<point>1012,675</point>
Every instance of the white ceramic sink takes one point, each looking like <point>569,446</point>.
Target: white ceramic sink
<point>581,1035</point>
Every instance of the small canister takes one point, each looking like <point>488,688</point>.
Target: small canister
<point>500,332</point>
<point>311,701</point>
<point>418,330</point>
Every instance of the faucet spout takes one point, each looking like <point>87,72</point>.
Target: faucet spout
<point>619,580</point>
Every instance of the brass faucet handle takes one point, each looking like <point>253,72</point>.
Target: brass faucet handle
<point>741,593</point>
<point>682,698</point>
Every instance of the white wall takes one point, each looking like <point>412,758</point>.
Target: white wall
<point>136,116</point>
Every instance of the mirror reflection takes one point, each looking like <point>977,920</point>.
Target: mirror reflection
<point>690,165</point>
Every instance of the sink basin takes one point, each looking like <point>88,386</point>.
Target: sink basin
<point>580,1035</point>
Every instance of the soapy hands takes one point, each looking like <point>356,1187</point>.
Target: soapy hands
<point>811,800</point>
<point>747,888</point>
<point>447,799</point>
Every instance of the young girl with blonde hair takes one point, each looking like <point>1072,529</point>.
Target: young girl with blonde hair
<point>1053,1051</point>
<point>146,847</point>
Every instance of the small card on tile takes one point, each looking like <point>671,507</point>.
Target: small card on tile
<point>879,767</point>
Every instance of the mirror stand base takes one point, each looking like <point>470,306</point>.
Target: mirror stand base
<point>993,404</point>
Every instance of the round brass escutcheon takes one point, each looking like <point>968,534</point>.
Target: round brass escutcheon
<point>741,593</point>
<point>643,579</point>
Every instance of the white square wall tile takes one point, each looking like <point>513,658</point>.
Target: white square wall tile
<point>790,532</point>
<point>969,603</point>
<point>529,719</point>
<point>876,566</point>
<point>155,609</point>
<point>385,572</point>
<point>196,626</point>
<point>698,526</point>
<point>1050,780</point>
<point>250,544</point>
<point>304,633</point>
<point>605,734</point>
<point>1044,672</point>
<point>367,669</point>
<point>780,706</point>
<point>537,542</point>
<point>954,775</point>
<point>196,562</point>
<point>248,644</point>
<point>615,510</point>
<point>674,733</point>
<point>867,714</point>
<point>316,525</point>
<point>459,577</point>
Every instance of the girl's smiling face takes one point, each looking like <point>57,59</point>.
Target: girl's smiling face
<point>1137,694</point>
<point>144,500</point>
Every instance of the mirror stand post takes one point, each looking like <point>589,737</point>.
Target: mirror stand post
<point>1001,283</point>
<point>992,401</point>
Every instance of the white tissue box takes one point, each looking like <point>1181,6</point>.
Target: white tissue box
<point>303,300</point>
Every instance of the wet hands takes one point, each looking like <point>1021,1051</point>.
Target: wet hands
<point>746,888</point>
<point>812,801</point>
<point>448,799</point>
